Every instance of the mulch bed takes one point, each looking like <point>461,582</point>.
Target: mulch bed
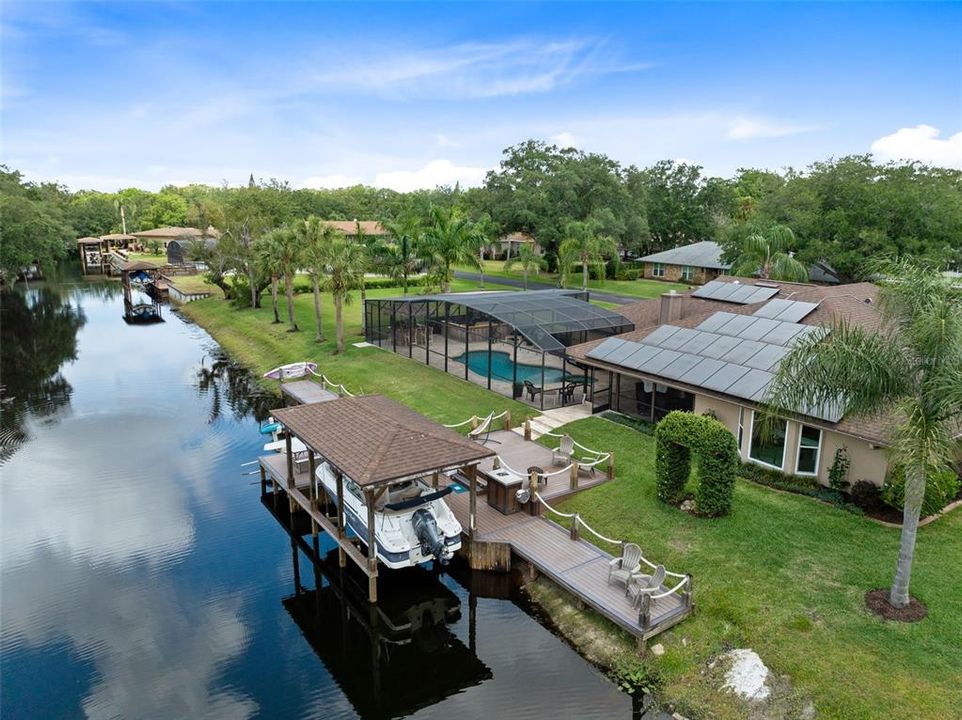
<point>878,602</point>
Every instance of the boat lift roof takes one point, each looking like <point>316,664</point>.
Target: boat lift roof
<point>375,441</point>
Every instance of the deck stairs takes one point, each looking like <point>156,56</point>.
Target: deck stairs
<point>551,420</point>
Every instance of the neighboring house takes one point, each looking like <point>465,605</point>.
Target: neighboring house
<point>714,350</point>
<point>370,228</point>
<point>179,251</point>
<point>168,234</point>
<point>508,245</point>
<point>696,263</point>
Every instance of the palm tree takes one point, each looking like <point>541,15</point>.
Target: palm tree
<point>400,258</point>
<point>911,369</point>
<point>528,260</point>
<point>770,256</point>
<point>313,237</point>
<point>584,245</point>
<point>288,251</point>
<point>479,237</point>
<point>447,242</point>
<point>268,255</point>
<point>345,263</point>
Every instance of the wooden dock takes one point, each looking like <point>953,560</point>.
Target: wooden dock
<point>304,392</point>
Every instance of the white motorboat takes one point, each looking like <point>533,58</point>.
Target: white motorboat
<point>291,371</point>
<point>413,524</point>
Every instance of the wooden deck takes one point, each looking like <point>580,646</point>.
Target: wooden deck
<point>304,392</point>
<point>578,566</point>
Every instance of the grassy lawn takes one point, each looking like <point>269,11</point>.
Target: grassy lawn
<point>786,575</point>
<point>252,339</point>
<point>159,258</point>
<point>633,288</point>
<point>193,284</point>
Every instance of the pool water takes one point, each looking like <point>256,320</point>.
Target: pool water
<point>502,368</point>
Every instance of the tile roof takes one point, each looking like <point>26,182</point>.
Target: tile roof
<point>176,232</point>
<point>349,227</point>
<point>704,254</point>
<point>374,440</point>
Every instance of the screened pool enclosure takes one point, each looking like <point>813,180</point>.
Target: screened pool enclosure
<point>510,342</point>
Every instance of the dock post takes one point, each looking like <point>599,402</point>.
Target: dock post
<point>611,465</point>
<point>574,474</point>
<point>263,481</point>
<point>472,473</point>
<point>527,429</point>
<point>341,555</point>
<point>574,526</point>
<point>689,594</point>
<point>312,490</point>
<point>290,473</point>
<point>644,619</point>
<point>371,548</point>
<point>507,420</point>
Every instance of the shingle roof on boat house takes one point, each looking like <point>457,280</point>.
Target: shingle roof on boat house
<point>374,440</point>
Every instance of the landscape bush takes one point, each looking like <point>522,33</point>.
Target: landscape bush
<point>638,424</point>
<point>941,488</point>
<point>798,484</point>
<point>866,495</point>
<point>679,435</point>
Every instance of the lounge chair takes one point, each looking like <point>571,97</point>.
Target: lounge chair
<point>533,390</point>
<point>622,568</point>
<point>639,584</point>
<point>562,454</point>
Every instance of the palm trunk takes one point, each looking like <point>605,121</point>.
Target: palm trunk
<point>481,266</point>
<point>338,322</point>
<point>446,285</point>
<point>289,292</point>
<point>277,317</point>
<point>316,286</point>
<point>584,273</point>
<point>914,493</point>
<point>252,279</point>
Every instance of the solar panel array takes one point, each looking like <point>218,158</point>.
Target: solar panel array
<point>734,292</point>
<point>787,310</point>
<point>732,354</point>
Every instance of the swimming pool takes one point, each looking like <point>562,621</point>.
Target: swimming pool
<point>502,366</point>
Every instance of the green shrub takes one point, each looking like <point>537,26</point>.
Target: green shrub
<point>941,488</point>
<point>866,495</point>
<point>838,470</point>
<point>632,274</point>
<point>798,484</point>
<point>636,678</point>
<point>642,426</point>
<point>679,435</point>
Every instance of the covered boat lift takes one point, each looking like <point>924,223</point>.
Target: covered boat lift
<point>375,442</point>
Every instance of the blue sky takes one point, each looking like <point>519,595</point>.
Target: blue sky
<point>106,95</point>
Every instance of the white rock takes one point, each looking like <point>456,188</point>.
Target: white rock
<point>658,650</point>
<point>748,675</point>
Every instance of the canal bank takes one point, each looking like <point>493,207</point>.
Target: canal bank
<point>141,577</point>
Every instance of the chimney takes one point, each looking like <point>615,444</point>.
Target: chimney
<point>670,307</point>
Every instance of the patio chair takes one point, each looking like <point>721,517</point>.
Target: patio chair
<point>568,392</point>
<point>622,568</point>
<point>562,455</point>
<point>533,390</point>
<point>639,584</point>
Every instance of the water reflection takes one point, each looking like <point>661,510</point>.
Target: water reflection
<point>392,658</point>
<point>224,381</point>
<point>38,334</point>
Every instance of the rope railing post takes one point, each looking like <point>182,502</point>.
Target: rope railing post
<point>688,593</point>
<point>507,419</point>
<point>527,429</point>
<point>611,465</point>
<point>574,526</point>
<point>573,480</point>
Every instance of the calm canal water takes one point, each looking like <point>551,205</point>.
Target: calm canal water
<point>143,577</point>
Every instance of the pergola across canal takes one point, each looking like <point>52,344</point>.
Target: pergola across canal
<point>510,342</point>
<point>375,442</point>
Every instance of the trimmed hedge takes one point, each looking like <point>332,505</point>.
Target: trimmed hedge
<point>798,484</point>
<point>642,426</point>
<point>679,435</point>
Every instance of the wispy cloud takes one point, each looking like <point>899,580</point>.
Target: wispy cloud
<point>477,70</point>
<point>921,143</point>
<point>434,173</point>
<point>760,128</point>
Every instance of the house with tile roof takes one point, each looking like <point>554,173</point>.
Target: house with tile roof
<point>696,263</point>
<point>715,350</point>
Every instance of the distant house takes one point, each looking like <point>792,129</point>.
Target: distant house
<point>696,263</point>
<point>93,255</point>
<point>700,262</point>
<point>370,228</point>
<point>179,252</point>
<point>168,234</point>
<point>509,244</point>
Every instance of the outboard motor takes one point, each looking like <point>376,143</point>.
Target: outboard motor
<point>428,534</point>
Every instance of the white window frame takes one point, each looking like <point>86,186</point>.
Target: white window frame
<point>741,429</point>
<point>751,443</point>
<point>818,450</point>
<point>687,272</point>
<point>655,268</point>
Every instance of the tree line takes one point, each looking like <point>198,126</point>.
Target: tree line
<point>839,211</point>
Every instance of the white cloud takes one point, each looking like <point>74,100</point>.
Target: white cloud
<point>565,139</point>
<point>475,70</point>
<point>436,172</point>
<point>921,143</point>
<point>330,182</point>
<point>755,128</point>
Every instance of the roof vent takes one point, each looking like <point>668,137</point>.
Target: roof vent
<point>765,283</point>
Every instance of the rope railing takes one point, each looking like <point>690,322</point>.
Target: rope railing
<point>578,519</point>
<point>491,417</point>
<point>325,380</point>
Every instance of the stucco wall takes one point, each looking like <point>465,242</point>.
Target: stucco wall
<point>673,274</point>
<point>866,463</point>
